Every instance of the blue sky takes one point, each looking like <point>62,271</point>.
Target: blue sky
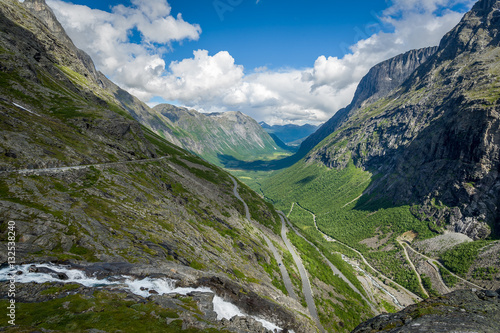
<point>276,60</point>
<point>272,33</point>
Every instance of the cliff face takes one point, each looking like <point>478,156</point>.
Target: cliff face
<point>434,142</point>
<point>389,75</point>
<point>378,83</point>
<point>461,311</point>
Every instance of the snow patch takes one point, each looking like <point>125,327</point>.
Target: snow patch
<point>23,108</point>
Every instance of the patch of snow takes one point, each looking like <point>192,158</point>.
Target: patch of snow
<point>23,108</point>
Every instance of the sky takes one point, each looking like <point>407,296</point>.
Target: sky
<point>279,61</point>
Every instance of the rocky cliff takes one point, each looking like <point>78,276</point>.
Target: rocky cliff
<point>89,187</point>
<point>464,311</point>
<point>378,83</point>
<point>434,141</point>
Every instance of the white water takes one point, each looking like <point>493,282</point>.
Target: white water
<point>141,287</point>
<point>226,310</point>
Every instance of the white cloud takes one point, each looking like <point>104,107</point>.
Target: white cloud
<point>106,36</point>
<point>416,24</point>
<point>217,83</point>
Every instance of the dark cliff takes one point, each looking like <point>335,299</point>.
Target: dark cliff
<point>434,142</point>
<point>378,83</point>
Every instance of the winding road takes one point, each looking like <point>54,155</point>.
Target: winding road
<point>77,167</point>
<point>413,268</point>
<point>434,262</point>
<point>335,270</point>
<point>331,239</point>
<point>306,285</point>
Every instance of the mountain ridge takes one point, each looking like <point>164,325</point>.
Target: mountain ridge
<point>89,186</point>
<point>418,161</point>
<point>290,134</point>
<point>377,83</point>
<point>219,135</point>
<point>436,108</point>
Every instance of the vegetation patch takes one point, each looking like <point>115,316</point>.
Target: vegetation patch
<point>105,311</point>
<point>460,258</point>
<point>448,278</point>
<point>346,308</point>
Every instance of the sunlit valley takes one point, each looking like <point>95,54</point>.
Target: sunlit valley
<point>227,206</point>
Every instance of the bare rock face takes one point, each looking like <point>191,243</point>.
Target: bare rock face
<point>434,141</point>
<point>389,75</point>
<point>378,83</point>
<point>463,311</point>
<point>43,12</point>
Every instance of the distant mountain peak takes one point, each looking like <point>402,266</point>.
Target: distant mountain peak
<point>226,135</point>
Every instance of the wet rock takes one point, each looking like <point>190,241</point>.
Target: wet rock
<point>250,302</point>
<point>244,325</point>
<point>205,304</point>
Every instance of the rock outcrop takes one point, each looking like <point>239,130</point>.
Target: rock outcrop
<point>463,311</point>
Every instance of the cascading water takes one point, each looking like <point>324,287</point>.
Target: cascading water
<point>41,273</point>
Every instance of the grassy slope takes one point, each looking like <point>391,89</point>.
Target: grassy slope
<point>335,196</point>
<point>136,212</point>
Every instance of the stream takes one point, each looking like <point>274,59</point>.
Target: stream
<point>142,287</point>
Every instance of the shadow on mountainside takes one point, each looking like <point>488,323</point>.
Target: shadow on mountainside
<point>441,173</point>
<point>230,162</point>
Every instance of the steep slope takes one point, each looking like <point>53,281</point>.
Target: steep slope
<point>412,163</point>
<point>290,134</point>
<point>378,83</point>
<point>218,136</point>
<point>434,140</point>
<point>81,70</point>
<point>85,185</point>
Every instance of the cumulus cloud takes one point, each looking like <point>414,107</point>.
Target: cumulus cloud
<point>217,83</point>
<point>415,24</point>
<point>107,36</point>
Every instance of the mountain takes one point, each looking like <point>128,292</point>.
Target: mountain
<point>116,228</point>
<point>217,136</point>
<point>407,175</point>
<point>378,83</point>
<point>433,139</point>
<point>290,134</point>
<point>107,215</point>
